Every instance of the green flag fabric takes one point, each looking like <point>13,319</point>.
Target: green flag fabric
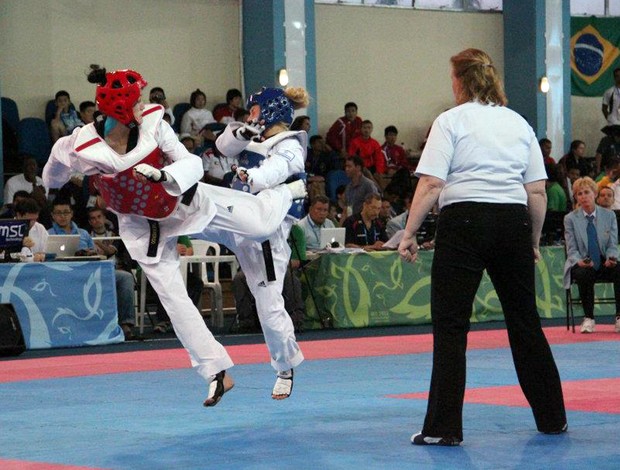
<point>594,54</point>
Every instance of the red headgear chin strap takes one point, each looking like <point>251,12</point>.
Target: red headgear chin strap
<point>119,94</point>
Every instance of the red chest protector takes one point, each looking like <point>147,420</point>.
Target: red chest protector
<point>126,195</point>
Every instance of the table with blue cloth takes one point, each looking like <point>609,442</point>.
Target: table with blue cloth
<point>63,304</point>
<point>356,290</point>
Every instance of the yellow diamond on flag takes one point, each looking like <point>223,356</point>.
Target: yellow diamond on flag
<point>591,54</point>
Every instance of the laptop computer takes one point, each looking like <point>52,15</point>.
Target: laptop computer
<point>330,235</point>
<point>63,246</point>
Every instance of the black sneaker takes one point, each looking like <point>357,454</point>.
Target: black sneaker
<point>422,440</point>
<point>563,429</point>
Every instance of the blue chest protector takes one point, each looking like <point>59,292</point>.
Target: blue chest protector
<point>249,159</point>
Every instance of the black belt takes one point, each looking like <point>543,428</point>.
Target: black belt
<point>154,232</point>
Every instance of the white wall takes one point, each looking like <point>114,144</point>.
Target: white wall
<point>48,45</point>
<point>394,63</point>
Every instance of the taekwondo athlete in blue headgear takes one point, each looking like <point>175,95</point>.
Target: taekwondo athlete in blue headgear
<point>270,154</point>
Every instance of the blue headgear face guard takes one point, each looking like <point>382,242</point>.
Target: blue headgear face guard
<point>274,106</point>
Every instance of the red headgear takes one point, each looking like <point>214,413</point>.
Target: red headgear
<point>119,94</point>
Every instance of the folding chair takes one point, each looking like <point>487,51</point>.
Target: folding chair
<point>205,248</point>
<point>572,300</point>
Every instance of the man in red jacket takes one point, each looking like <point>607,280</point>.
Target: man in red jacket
<point>344,130</point>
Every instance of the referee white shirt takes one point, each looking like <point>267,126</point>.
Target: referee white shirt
<point>484,153</point>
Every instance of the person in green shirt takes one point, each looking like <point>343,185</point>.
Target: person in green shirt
<point>556,196</point>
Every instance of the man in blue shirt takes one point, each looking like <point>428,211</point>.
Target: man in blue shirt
<point>62,215</point>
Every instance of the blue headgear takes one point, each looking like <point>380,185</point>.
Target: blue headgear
<point>274,106</point>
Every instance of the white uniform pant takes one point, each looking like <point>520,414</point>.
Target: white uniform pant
<point>275,321</point>
<point>251,216</point>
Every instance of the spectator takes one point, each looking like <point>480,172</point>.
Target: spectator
<point>611,101</point>
<point>87,111</point>
<point>575,158</point>
<point>342,131</point>
<point>556,197</point>
<point>218,169</point>
<point>301,123</point>
<point>395,155</point>
<point>197,117</point>
<point>158,96</point>
<point>225,112</point>
<point>608,147</point>
<point>612,171</point>
<point>188,141</point>
<point>65,117</point>
<point>8,210</point>
<point>363,229</point>
<point>368,149</point>
<point>36,240</point>
<point>341,210</point>
<point>591,235</point>
<point>398,223</point>
<point>28,181</point>
<point>545,147</point>
<point>605,197</point>
<point>62,215</point>
<point>359,187</point>
<point>125,282</point>
<point>315,221</point>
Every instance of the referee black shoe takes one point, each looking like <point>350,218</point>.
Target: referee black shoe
<point>422,440</point>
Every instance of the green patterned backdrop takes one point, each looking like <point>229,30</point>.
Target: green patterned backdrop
<point>376,289</point>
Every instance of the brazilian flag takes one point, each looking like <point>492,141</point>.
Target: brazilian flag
<point>594,54</point>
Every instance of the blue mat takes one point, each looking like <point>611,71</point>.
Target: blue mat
<point>339,417</point>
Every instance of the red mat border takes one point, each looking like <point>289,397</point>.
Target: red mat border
<point>144,361</point>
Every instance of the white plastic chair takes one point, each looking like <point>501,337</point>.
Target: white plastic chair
<point>202,247</point>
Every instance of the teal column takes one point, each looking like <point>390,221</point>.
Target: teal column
<point>279,34</point>
<point>537,45</point>
<point>524,60</point>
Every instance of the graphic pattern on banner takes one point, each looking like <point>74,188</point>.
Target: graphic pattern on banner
<point>595,53</point>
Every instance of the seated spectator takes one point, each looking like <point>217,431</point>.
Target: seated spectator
<point>28,181</point>
<point>8,210</point>
<point>400,221</point>
<point>87,112</point>
<point>315,221</point>
<point>320,159</point>
<point>188,141</point>
<point>198,116</point>
<point>359,187</point>
<point>36,240</point>
<point>301,123</point>
<point>545,147</point>
<point>605,197</point>
<point>341,210</point>
<point>591,234</point>
<point>194,287</point>
<point>342,132</point>
<point>611,174</point>
<point>65,117</point>
<point>241,115</point>
<point>556,197</point>
<point>386,212</point>
<point>62,215</point>
<point>363,229</point>
<point>218,168</point>
<point>158,96</point>
<point>395,155</point>
<point>125,282</point>
<point>225,112</point>
<point>575,158</point>
<point>368,149</point>
<point>608,147</point>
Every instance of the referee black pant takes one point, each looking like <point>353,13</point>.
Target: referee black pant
<point>472,237</point>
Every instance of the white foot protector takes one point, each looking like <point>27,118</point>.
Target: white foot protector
<point>283,386</point>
